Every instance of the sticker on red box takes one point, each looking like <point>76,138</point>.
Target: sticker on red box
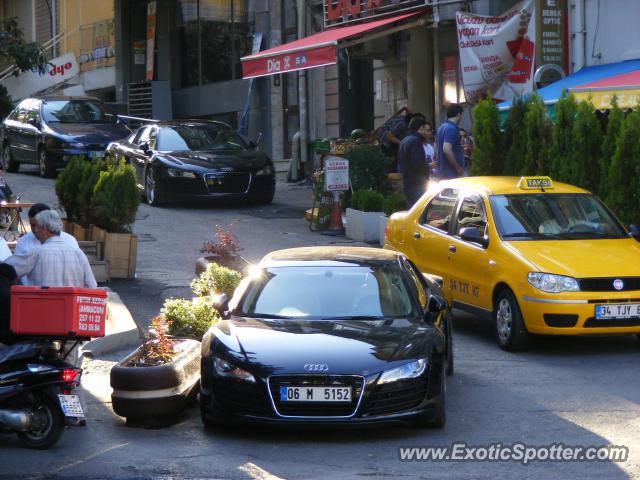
<point>92,312</point>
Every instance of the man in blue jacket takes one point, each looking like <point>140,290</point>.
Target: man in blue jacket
<point>413,162</point>
<point>450,156</point>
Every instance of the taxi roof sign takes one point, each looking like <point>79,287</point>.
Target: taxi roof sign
<point>535,183</point>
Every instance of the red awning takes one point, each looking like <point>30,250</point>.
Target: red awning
<point>313,51</point>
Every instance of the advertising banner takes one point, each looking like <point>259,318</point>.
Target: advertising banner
<point>59,70</point>
<point>497,53</point>
<point>151,38</point>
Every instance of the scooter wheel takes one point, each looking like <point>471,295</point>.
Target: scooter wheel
<point>49,425</point>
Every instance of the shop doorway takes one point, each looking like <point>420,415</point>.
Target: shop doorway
<point>355,80</point>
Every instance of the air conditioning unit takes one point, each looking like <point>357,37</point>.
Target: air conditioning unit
<point>150,100</point>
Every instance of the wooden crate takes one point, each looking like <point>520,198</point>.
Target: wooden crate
<point>100,270</point>
<point>96,234</point>
<point>120,250</point>
<point>81,233</point>
<point>93,250</point>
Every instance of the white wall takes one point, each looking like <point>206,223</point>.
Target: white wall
<point>612,31</point>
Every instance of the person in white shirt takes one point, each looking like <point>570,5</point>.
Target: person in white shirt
<point>29,241</point>
<point>4,249</point>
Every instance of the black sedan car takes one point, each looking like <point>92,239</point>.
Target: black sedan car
<point>330,335</point>
<point>48,131</point>
<point>196,158</point>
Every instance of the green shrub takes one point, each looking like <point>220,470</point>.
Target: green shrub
<point>368,168</point>
<point>116,198</point>
<point>614,125</point>
<point>584,161</point>
<point>562,145</point>
<point>394,202</point>
<point>68,186</point>
<point>87,185</point>
<point>487,152</point>
<point>188,319</point>
<point>537,128</point>
<point>216,279</point>
<point>367,201</point>
<point>515,143</point>
<point>6,104</point>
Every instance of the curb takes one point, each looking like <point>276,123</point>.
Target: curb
<point>120,329</point>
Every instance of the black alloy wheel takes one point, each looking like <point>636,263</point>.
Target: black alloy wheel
<point>510,332</point>
<point>154,191</point>
<point>438,418</point>
<point>47,169</point>
<point>9,163</point>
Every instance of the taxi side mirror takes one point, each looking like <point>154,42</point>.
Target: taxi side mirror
<point>473,234</point>
<point>635,231</point>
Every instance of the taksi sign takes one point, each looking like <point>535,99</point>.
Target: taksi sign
<point>346,11</point>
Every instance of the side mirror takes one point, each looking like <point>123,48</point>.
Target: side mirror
<point>635,231</point>
<point>258,141</point>
<point>253,145</point>
<point>472,234</point>
<point>220,303</point>
<point>436,304</point>
<point>32,121</point>
<point>145,148</point>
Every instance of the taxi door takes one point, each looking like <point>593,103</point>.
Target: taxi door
<point>431,236</point>
<point>471,274</point>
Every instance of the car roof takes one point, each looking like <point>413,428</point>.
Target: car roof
<point>63,97</point>
<point>328,256</point>
<point>171,123</point>
<point>504,185</point>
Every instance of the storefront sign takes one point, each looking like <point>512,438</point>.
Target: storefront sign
<point>497,53</point>
<point>59,70</point>
<point>551,29</point>
<point>285,62</point>
<point>138,52</point>
<point>338,12</point>
<point>151,38</point>
<point>336,174</point>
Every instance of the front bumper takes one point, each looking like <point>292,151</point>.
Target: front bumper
<point>207,186</point>
<point>575,314</point>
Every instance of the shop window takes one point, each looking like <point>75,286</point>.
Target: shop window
<point>452,89</point>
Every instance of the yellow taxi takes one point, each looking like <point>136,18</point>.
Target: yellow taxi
<point>533,255</point>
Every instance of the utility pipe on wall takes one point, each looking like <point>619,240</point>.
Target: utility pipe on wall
<point>579,35</point>
<point>302,97</point>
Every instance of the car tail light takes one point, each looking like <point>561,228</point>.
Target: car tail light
<point>70,375</point>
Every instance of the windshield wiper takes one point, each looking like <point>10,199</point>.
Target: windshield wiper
<point>264,315</point>
<point>359,317</point>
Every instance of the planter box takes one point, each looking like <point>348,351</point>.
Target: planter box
<point>67,226</point>
<point>363,226</point>
<point>120,250</point>
<point>81,233</point>
<point>382,228</point>
<point>152,392</point>
<point>96,234</point>
<point>100,270</point>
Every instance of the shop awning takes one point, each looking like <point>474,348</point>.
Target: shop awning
<point>625,86</point>
<point>321,48</point>
<point>582,78</point>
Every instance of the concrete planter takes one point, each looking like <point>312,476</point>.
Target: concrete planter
<point>382,228</point>
<point>150,393</point>
<point>363,226</point>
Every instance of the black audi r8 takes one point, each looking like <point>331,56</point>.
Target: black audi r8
<point>330,335</point>
<point>196,158</point>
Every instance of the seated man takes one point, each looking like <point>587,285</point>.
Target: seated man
<point>561,221</point>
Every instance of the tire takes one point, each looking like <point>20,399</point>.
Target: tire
<point>45,165</point>
<point>154,192</point>
<point>265,198</point>
<point>48,433</point>
<point>449,330</point>
<point>510,332</point>
<point>10,164</point>
<point>209,420</point>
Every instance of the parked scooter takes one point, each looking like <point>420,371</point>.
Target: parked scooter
<point>36,386</point>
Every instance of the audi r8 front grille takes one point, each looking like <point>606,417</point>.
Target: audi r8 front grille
<point>231,182</point>
<point>240,397</point>
<point>396,397</point>
<point>605,284</point>
<point>316,409</point>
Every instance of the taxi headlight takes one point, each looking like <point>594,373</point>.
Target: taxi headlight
<point>225,369</point>
<point>410,370</point>
<point>550,283</point>
<point>174,172</point>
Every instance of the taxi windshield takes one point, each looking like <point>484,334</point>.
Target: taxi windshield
<point>548,216</point>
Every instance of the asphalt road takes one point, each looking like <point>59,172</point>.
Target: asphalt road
<point>571,391</point>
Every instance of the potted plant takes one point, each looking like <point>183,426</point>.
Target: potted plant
<point>223,251</point>
<point>394,202</point>
<point>362,217</point>
<point>67,188</point>
<point>216,279</point>
<point>161,377</point>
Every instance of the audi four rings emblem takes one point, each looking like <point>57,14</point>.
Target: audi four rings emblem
<point>618,284</point>
<point>316,367</point>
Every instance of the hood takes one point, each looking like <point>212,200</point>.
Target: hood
<point>582,258</point>
<point>90,132</point>
<point>358,347</point>
<point>237,160</point>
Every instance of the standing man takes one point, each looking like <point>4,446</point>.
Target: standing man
<point>413,161</point>
<point>29,241</point>
<point>450,155</point>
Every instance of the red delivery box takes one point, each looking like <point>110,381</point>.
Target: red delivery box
<point>58,311</point>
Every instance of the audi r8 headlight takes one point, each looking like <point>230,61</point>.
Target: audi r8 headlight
<point>266,170</point>
<point>547,282</point>
<point>175,172</point>
<point>410,370</point>
<point>225,369</point>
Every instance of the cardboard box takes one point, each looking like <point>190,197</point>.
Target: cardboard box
<point>58,312</point>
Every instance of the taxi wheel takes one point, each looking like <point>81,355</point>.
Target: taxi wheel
<point>510,331</point>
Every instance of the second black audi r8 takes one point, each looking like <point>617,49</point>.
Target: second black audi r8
<point>196,158</point>
<point>330,335</point>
